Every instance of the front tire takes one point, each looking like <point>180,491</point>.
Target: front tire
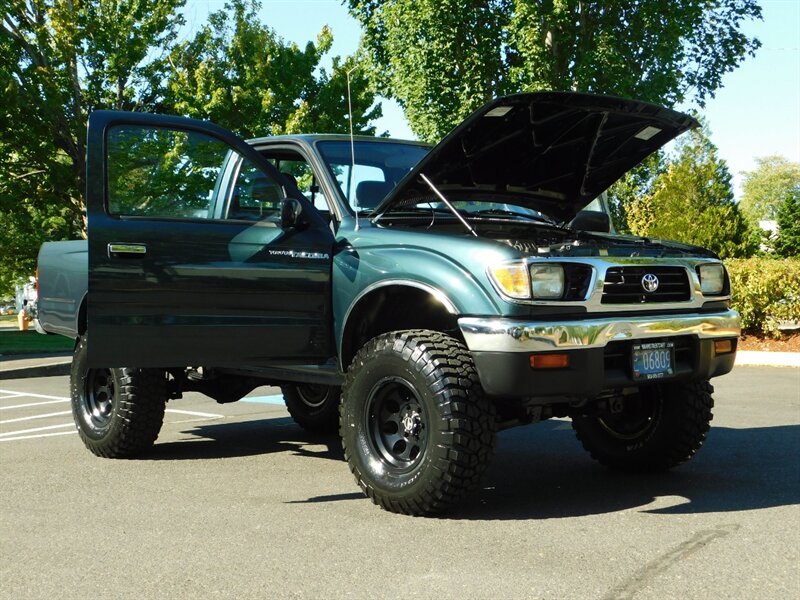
<point>660,427</point>
<point>118,412</point>
<point>314,407</point>
<point>416,427</point>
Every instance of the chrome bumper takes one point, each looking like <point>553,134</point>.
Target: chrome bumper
<point>508,335</point>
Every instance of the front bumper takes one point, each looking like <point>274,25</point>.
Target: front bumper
<point>599,351</point>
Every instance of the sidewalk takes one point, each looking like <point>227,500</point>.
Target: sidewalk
<point>767,359</point>
<point>35,365</point>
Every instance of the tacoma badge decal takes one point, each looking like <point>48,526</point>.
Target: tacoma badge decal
<point>649,283</point>
<point>299,254</point>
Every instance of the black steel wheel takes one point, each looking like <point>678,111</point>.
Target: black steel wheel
<point>416,427</point>
<point>398,424</point>
<point>658,428</point>
<point>96,403</point>
<point>314,407</point>
<point>118,412</point>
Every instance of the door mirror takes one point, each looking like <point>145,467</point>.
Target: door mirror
<point>591,220</point>
<point>292,214</point>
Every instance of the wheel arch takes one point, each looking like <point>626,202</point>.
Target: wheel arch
<point>82,318</point>
<point>393,305</point>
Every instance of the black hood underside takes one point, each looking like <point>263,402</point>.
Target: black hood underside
<point>553,152</point>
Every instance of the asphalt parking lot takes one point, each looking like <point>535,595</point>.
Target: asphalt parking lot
<point>235,501</point>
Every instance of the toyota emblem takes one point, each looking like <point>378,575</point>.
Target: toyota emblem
<point>650,283</point>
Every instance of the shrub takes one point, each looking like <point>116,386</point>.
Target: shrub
<point>766,292</point>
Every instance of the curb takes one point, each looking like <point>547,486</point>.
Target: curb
<point>27,366</point>
<point>767,359</point>
<point>50,370</point>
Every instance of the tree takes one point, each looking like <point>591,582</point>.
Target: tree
<point>788,240</point>
<point>63,58</point>
<point>635,184</point>
<point>692,202</point>
<point>441,59</point>
<point>237,72</point>
<point>768,186</point>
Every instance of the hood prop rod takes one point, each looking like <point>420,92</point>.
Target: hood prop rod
<point>448,204</point>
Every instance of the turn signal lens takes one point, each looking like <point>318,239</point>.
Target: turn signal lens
<point>549,361</point>
<point>512,279</point>
<point>723,347</point>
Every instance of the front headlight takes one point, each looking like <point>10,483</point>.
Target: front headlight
<point>547,281</point>
<point>512,279</point>
<point>712,279</point>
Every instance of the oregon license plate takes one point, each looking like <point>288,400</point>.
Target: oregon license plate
<point>653,360</point>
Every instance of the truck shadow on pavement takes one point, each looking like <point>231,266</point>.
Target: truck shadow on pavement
<point>542,472</point>
<point>546,474</point>
<point>250,438</point>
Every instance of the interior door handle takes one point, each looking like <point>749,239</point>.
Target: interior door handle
<point>126,250</point>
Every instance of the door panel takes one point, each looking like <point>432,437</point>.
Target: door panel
<point>169,284</point>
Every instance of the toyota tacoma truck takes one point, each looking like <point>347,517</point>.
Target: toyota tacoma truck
<point>416,299</point>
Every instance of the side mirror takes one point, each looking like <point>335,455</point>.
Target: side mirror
<point>292,214</point>
<point>591,220</point>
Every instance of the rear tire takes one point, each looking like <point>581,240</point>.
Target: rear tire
<point>314,407</point>
<point>416,427</point>
<point>661,427</point>
<point>118,412</point>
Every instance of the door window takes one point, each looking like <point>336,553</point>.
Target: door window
<point>255,196</point>
<point>163,173</point>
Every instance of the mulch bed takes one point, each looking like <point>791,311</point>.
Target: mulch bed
<point>789,342</point>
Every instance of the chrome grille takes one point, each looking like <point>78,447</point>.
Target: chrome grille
<point>623,285</point>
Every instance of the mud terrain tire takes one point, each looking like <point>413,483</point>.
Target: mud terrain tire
<point>662,427</point>
<point>416,427</point>
<point>118,412</point>
<point>314,407</point>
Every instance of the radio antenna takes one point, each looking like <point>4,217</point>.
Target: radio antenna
<point>352,146</point>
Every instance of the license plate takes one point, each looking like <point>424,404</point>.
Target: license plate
<point>654,360</point>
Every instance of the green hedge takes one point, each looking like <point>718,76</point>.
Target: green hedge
<point>766,292</point>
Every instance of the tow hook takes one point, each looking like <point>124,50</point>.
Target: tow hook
<point>616,405</point>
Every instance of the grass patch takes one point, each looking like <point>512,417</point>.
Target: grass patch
<point>30,342</point>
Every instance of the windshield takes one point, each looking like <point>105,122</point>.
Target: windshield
<point>476,207</point>
<point>379,166</point>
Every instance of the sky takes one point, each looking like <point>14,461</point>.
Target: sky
<point>756,112</point>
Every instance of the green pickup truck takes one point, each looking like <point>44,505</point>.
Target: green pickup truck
<point>416,299</point>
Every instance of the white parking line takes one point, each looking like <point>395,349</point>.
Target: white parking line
<point>40,435</point>
<point>35,429</point>
<point>33,404</point>
<point>33,433</point>
<point>55,414</point>
<point>32,395</point>
<point>194,414</point>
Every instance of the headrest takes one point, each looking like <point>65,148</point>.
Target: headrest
<point>370,193</point>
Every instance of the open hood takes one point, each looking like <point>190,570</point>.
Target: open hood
<point>550,151</point>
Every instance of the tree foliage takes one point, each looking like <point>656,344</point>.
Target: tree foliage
<point>788,217</point>
<point>768,186</point>
<point>692,202</point>
<point>441,59</point>
<point>636,183</point>
<point>239,73</point>
<point>64,58</point>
